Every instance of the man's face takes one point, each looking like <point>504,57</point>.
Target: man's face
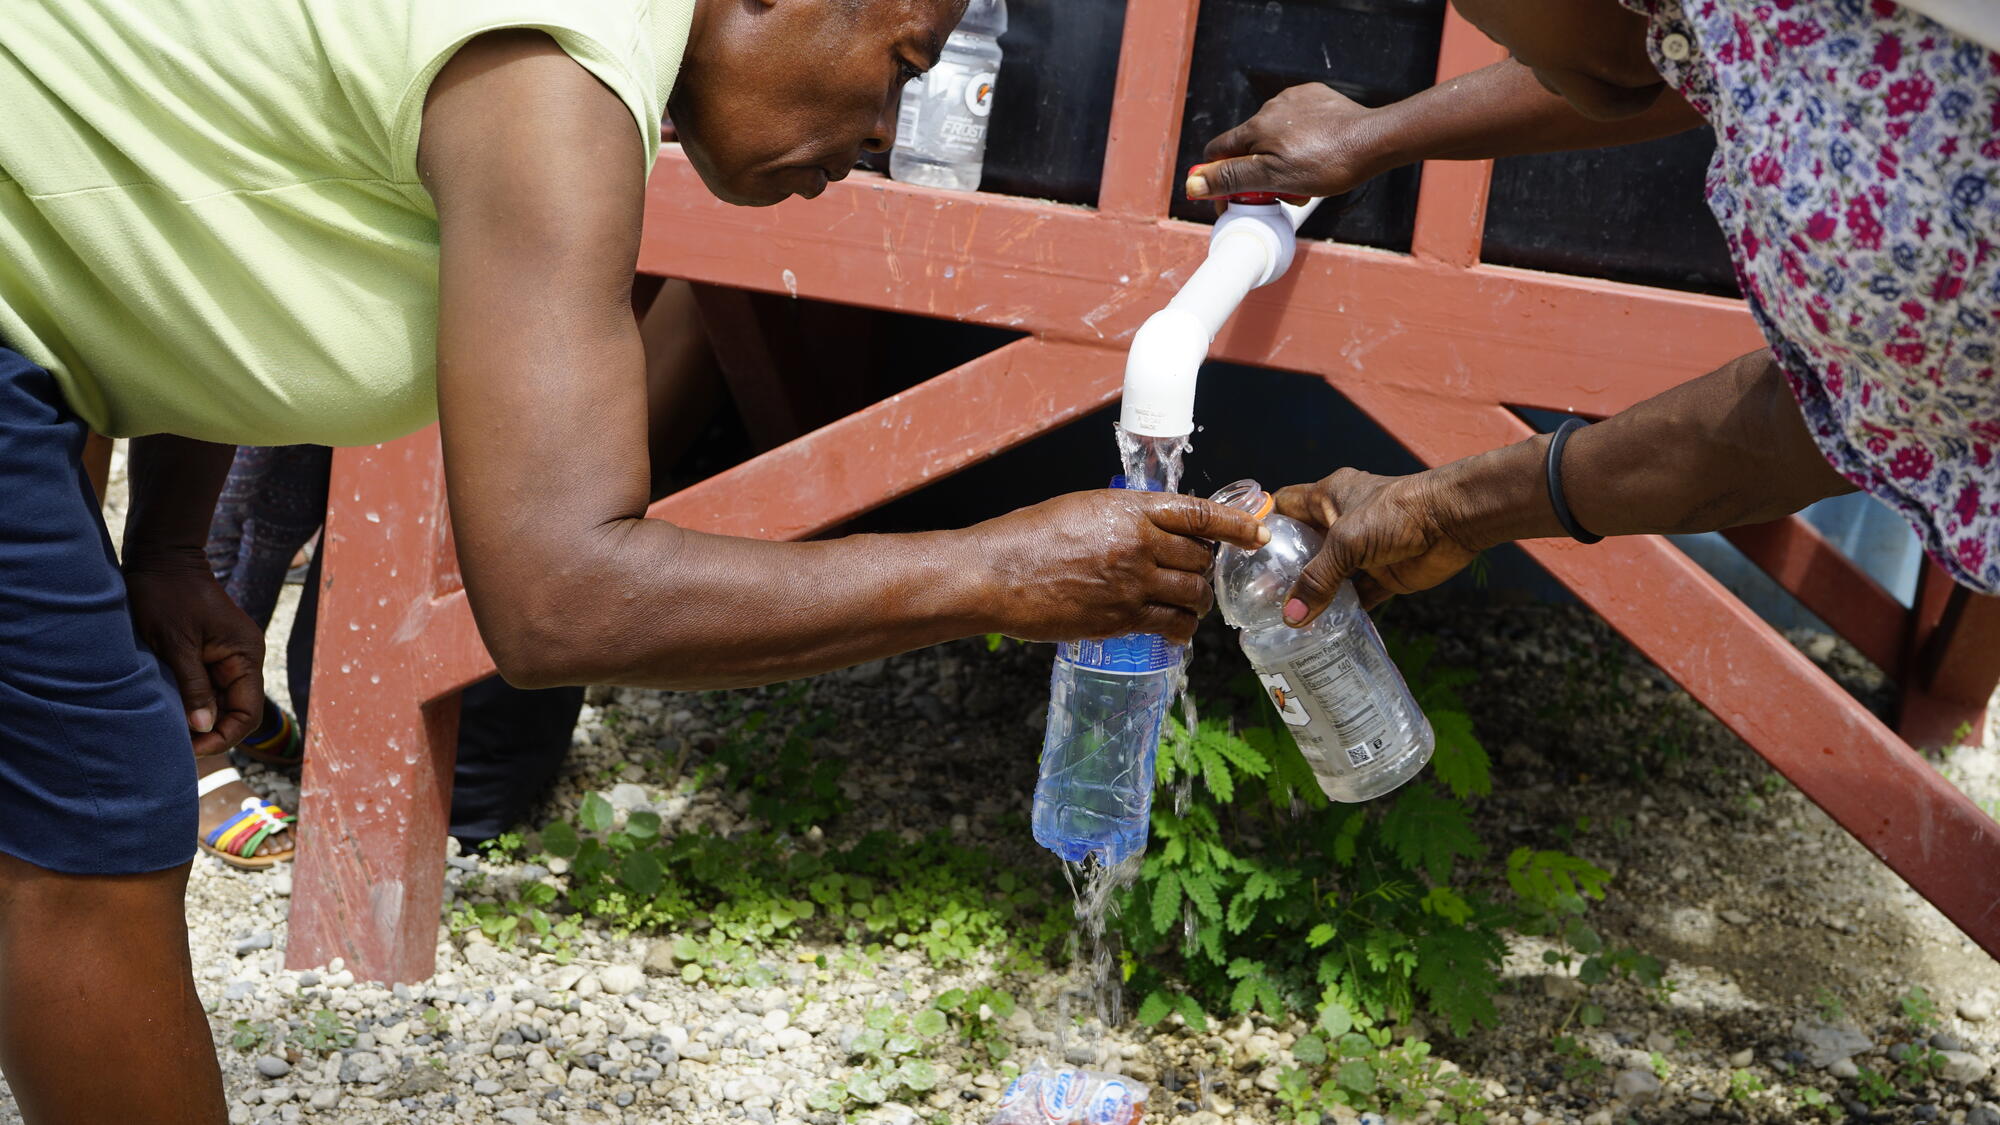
<point>1590,52</point>
<point>779,97</point>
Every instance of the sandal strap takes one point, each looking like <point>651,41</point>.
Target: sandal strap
<point>224,776</point>
<point>285,744</point>
<point>241,834</point>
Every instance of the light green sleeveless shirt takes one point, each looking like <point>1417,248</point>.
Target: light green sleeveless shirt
<point>210,217</point>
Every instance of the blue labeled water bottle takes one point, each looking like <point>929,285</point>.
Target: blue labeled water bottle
<point>1107,700</point>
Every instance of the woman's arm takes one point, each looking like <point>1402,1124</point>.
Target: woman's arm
<point>214,652</point>
<point>1312,140</point>
<point>1727,449</point>
<point>536,171</point>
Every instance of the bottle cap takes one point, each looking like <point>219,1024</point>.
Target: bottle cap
<point>1247,496</point>
<point>1262,198</point>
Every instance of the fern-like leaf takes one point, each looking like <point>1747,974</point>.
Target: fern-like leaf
<point>1428,832</point>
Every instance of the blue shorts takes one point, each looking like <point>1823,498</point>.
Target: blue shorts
<point>96,763</point>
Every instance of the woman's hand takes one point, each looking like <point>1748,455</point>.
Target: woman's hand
<point>1391,535</point>
<point>212,649</point>
<point>1103,564</point>
<point>1310,140</point>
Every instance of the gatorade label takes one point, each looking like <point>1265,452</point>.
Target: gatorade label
<point>1062,1096</point>
<point>1285,698</point>
<point>979,93</point>
<point>1133,655</point>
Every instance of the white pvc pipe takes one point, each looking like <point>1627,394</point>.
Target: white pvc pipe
<point>1252,246</point>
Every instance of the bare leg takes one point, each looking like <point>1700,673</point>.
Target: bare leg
<point>99,1021</point>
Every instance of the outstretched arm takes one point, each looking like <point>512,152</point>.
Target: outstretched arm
<point>1312,140</point>
<point>1727,449</point>
<point>537,175</point>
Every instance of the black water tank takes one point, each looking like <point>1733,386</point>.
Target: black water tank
<point>1629,214</point>
<point>1374,51</point>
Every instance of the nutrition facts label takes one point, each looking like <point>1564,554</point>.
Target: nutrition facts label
<point>1333,680</point>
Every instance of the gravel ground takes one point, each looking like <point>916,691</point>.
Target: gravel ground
<point>1787,945</point>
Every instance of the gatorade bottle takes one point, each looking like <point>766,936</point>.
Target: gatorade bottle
<point>1332,682</point>
<point>941,131</point>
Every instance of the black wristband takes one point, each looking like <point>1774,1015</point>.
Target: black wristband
<point>1556,499</point>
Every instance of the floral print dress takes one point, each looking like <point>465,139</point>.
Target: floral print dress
<point>1857,179</point>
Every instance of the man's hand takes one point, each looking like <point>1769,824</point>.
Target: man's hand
<point>1103,564</point>
<point>212,649</point>
<point>1310,140</point>
<point>1391,535</point>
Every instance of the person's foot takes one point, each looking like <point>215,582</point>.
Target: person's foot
<point>237,826</point>
<point>278,741</point>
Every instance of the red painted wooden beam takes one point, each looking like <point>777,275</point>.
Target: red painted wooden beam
<point>1828,583</point>
<point>1486,333</point>
<point>1146,108</point>
<point>1451,207</point>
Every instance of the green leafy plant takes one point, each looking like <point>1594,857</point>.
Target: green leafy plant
<point>1259,895</point>
<point>1661,1067</point>
<point>1873,1089</point>
<point>322,1031</point>
<point>1743,1084</point>
<point>977,1014</point>
<point>890,1049</point>
<point>254,1037</point>
<point>1577,1063</point>
<point>1919,1009</point>
<point>1366,1066</point>
<point>1814,1098</point>
<point>1831,1008</point>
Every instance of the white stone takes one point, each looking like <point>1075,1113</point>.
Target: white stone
<point>1844,1068</point>
<point>1742,1058</point>
<point>1827,1043</point>
<point>1963,1067</point>
<point>619,980</point>
<point>627,797</point>
<point>1976,1009</point>
<point>777,1019</point>
<point>1635,1086</point>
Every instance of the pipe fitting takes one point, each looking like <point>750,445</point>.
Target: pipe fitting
<point>1160,374</point>
<point>1270,225</point>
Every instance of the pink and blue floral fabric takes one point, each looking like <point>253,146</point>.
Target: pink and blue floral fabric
<point>1857,178</point>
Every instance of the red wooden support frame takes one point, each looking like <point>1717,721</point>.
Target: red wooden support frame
<point>1434,345</point>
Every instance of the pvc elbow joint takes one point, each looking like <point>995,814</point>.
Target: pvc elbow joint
<point>1160,374</point>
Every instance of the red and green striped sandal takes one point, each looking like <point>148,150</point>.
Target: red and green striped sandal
<point>282,748</point>
<point>235,841</point>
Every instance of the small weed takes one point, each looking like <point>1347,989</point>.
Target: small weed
<point>1661,1067</point>
<point>890,1048</point>
<point>978,1013</point>
<point>1831,1008</point>
<point>253,1037</point>
<point>1743,1084</point>
<point>1577,1063</point>
<point>1919,1009</point>
<point>1812,1097</point>
<point>1873,1089</point>
<point>323,1032</point>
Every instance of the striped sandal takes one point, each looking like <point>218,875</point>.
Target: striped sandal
<point>283,748</point>
<point>235,841</point>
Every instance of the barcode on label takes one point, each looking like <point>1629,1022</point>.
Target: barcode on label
<point>1336,682</point>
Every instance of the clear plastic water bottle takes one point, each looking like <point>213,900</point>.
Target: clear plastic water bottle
<point>1332,682</point>
<point>1046,1095</point>
<point>941,129</point>
<point>1107,700</point>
